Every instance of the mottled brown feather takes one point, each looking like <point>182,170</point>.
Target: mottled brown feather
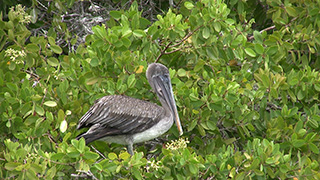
<point>119,115</point>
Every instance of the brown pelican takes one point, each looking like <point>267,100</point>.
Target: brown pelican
<point>125,120</point>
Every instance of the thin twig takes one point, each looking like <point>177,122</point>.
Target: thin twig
<point>98,152</point>
<point>84,174</point>
<point>266,29</point>
<point>179,42</point>
<point>162,51</point>
<point>272,27</point>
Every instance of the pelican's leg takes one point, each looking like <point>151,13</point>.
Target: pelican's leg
<point>130,149</point>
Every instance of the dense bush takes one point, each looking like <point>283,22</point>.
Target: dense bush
<point>244,73</point>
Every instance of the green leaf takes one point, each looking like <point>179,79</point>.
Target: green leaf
<point>298,143</point>
<point>118,43</point>
<point>211,125</point>
<point>257,36</point>
<point>99,43</point>
<point>32,48</point>
<point>36,97</point>
<point>131,81</point>
<point>293,81</point>
<point>255,164</point>
<point>81,145</point>
<point>265,80</point>
<point>10,34</point>
<point>115,14</point>
<point>30,61</point>
<point>56,49</point>
<point>258,172</point>
<point>124,155</point>
<point>50,103</point>
<point>90,155</point>
<point>139,33</point>
<point>199,65</point>
<point>317,87</point>
<point>12,66</point>
<point>188,5</point>
<point>73,154</point>
<point>66,137</point>
<point>63,126</point>
<point>270,172</point>
<point>192,125</point>
<point>57,156</point>
<point>217,26</point>
<point>284,168</point>
<point>193,168</point>
<point>49,116</point>
<point>51,40</point>
<point>10,166</point>
<point>314,148</point>
<point>39,110</point>
<point>126,42</point>
<point>51,173</point>
<point>229,141</point>
<point>94,62</point>
<point>201,130</point>
<point>300,95</point>
<point>240,176</point>
<point>313,123</point>
<point>229,21</point>
<point>250,52</point>
<point>291,11</point>
<point>273,92</point>
<point>258,48</point>
<point>238,40</point>
<point>136,173</point>
<point>112,156</point>
<point>182,73</point>
<point>271,50</point>
<point>52,61</point>
<point>61,115</point>
<point>9,25</point>
<point>12,86</point>
<point>292,95</point>
<point>206,33</point>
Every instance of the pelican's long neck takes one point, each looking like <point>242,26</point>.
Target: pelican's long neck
<point>159,79</point>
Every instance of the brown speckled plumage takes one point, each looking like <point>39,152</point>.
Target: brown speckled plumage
<point>118,115</point>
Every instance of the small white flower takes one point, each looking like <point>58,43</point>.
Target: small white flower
<point>15,55</point>
<point>19,12</point>
<point>181,143</point>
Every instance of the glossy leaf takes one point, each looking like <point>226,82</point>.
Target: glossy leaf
<point>50,103</point>
<point>250,52</point>
<point>188,5</point>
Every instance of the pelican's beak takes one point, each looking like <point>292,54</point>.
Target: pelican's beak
<point>176,116</point>
<point>164,92</point>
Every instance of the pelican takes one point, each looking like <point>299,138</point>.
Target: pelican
<point>126,120</point>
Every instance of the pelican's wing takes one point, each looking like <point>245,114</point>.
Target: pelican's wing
<point>118,115</point>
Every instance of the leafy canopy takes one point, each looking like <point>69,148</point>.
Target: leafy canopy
<point>244,73</point>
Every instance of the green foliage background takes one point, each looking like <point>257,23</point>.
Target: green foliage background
<point>245,76</point>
